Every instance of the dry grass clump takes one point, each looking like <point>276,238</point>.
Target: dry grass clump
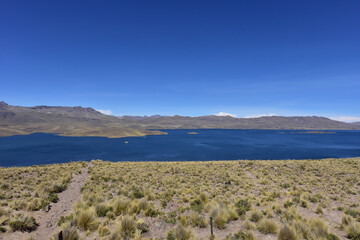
<point>267,226</point>
<point>241,235</point>
<point>351,227</point>
<point>180,233</point>
<point>287,233</point>
<point>126,227</point>
<point>86,219</point>
<point>69,232</point>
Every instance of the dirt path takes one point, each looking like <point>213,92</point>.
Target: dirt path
<point>48,220</point>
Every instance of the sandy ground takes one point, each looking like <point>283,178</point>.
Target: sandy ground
<point>48,220</point>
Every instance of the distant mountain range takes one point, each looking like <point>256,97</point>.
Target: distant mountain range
<point>79,121</point>
<point>68,121</point>
<point>227,122</point>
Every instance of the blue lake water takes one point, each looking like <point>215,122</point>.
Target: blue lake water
<point>178,145</point>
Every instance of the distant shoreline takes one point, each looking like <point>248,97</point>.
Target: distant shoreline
<point>161,131</point>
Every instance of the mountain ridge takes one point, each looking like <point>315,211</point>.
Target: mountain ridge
<point>80,121</point>
<point>67,121</point>
<point>228,122</point>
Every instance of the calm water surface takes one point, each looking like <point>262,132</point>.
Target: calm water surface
<point>178,145</point>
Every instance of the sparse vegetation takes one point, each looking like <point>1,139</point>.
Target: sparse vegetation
<point>174,200</point>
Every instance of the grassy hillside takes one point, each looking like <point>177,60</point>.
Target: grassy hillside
<point>303,199</point>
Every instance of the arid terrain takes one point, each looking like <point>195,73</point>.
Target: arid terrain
<point>80,121</point>
<point>292,199</point>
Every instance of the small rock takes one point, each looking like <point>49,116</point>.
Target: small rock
<point>48,207</point>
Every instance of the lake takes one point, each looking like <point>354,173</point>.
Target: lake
<point>178,145</point>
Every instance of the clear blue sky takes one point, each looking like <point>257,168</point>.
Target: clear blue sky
<point>247,58</point>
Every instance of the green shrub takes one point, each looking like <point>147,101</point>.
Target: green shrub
<point>143,227</point>
<point>57,188</point>
<point>196,220</point>
<point>102,210</point>
<point>242,206</point>
<point>352,212</point>
<point>64,219</point>
<point>53,197</point>
<point>138,192</point>
<point>331,236</point>
<point>196,205</point>
<point>353,231</point>
<point>304,204</point>
<point>23,223</point>
<point>288,203</point>
<point>255,216</point>
<point>151,212</point>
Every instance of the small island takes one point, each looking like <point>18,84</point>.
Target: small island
<point>192,133</point>
<point>318,132</point>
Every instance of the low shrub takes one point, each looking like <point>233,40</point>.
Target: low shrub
<point>102,210</point>
<point>142,226</point>
<point>196,220</point>
<point>23,223</point>
<point>353,231</point>
<point>255,216</point>
<point>242,206</point>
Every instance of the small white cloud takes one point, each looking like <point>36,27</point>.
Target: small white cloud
<point>107,112</point>
<point>261,115</point>
<point>348,119</point>
<point>223,114</point>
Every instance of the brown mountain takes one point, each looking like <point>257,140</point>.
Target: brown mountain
<point>68,121</point>
<point>356,123</point>
<point>79,121</point>
<point>227,122</point>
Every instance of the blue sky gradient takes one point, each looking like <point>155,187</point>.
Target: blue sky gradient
<point>247,58</point>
